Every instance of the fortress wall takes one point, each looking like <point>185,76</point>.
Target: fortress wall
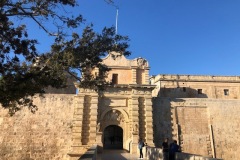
<point>162,123</point>
<point>201,126</point>
<point>188,86</point>
<point>225,121</point>
<point>43,135</point>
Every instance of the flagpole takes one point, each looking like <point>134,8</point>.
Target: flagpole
<point>117,21</point>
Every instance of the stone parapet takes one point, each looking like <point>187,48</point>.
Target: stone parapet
<point>148,121</point>
<point>196,78</point>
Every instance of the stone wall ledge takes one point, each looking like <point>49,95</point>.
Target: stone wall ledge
<point>196,78</point>
<point>91,154</point>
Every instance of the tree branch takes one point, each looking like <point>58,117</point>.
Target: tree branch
<point>76,77</point>
<point>51,34</point>
<point>22,14</point>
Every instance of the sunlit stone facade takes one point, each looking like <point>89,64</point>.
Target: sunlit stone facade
<point>125,106</point>
<point>200,112</point>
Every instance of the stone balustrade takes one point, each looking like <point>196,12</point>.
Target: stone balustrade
<point>156,154</point>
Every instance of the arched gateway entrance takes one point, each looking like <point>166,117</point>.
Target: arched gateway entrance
<point>115,117</point>
<point>113,137</point>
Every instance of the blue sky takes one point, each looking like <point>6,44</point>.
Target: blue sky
<point>197,37</point>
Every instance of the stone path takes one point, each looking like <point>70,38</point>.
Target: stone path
<point>116,155</point>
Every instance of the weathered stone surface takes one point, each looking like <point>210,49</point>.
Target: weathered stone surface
<point>200,112</point>
<point>43,135</point>
<point>204,123</point>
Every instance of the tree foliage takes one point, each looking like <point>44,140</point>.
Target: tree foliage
<point>24,72</point>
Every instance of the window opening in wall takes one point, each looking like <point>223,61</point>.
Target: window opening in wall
<point>184,89</point>
<point>114,78</point>
<point>226,92</point>
<point>199,91</point>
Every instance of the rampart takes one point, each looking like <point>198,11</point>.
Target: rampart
<point>208,127</point>
<point>200,112</point>
<point>43,135</point>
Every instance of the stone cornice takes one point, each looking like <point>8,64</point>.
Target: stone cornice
<point>126,67</point>
<point>149,86</point>
<point>196,78</point>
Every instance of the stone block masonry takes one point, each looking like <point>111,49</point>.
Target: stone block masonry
<point>200,112</point>
<point>225,121</point>
<point>208,127</point>
<point>43,135</point>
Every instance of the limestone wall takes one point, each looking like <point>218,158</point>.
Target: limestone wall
<point>188,86</point>
<point>162,121</point>
<point>207,127</point>
<point>127,71</point>
<point>124,76</point>
<point>43,135</point>
<point>225,120</point>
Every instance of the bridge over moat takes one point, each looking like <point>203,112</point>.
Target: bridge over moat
<point>150,153</point>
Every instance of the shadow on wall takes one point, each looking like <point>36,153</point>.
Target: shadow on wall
<point>90,154</point>
<point>154,153</point>
<point>163,123</point>
<point>162,120</point>
<point>182,92</point>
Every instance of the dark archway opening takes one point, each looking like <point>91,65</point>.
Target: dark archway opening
<point>113,137</point>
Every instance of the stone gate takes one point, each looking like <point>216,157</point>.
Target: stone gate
<point>125,106</point>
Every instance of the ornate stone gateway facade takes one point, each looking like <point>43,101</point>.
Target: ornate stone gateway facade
<point>118,116</point>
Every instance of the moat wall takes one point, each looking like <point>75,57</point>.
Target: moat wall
<point>207,127</point>
<point>43,135</point>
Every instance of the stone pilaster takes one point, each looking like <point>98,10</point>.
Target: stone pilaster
<point>142,127</point>
<point>99,142</point>
<point>77,123</point>
<point>135,119</point>
<point>146,76</point>
<point>134,149</point>
<point>149,121</point>
<point>134,76</point>
<point>93,119</point>
<point>135,124</point>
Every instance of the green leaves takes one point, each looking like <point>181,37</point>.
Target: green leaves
<point>24,72</point>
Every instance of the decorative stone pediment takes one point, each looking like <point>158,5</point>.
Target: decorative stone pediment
<point>114,115</point>
<point>115,55</point>
<point>141,62</point>
<point>115,59</point>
